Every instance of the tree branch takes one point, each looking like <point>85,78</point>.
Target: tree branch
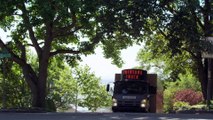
<point>86,48</point>
<point>67,30</point>
<point>14,57</point>
<point>63,52</point>
<point>91,45</point>
<point>197,19</point>
<point>162,33</point>
<point>65,33</point>
<point>193,55</point>
<point>25,16</point>
<point>206,12</point>
<point>21,62</point>
<point>22,48</point>
<point>200,23</point>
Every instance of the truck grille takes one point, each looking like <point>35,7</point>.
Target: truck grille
<point>128,103</point>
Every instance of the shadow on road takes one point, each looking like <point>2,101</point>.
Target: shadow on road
<point>102,116</point>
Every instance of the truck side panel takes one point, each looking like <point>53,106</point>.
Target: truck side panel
<point>156,100</point>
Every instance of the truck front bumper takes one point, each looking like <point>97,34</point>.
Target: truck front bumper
<point>128,109</point>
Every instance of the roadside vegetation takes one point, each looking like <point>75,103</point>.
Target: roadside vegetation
<point>66,88</point>
<point>176,78</point>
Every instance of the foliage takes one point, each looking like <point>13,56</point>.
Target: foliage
<point>180,105</point>
<point>75,86</point>
<point>188,95</point>
<point>187,81</point>
<point>67,29</point>
<point>14,90</point>
<point>61,85</point>
<point>177,39</point>
<point>166,67</point>
<point>55,28</point>
<point>200,106</point>
<point>176,73</point>
<point>188,99</point>
<point>91,93</point>
<point>168,96</point>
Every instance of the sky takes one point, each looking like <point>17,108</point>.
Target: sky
<point>101,66</point>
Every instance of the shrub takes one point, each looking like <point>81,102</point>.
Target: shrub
<point>168,100</point>
<point>178,90</point>
<point>188,95</point>
<point>179,105</point>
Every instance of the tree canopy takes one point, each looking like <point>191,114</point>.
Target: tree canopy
<point>178,38</point>
<point>56,28</point>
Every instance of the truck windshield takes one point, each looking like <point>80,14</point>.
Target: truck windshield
<point>130,87</point>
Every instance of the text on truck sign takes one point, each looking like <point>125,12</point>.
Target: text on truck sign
<point>134,74</point>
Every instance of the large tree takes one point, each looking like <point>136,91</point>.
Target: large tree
<point>171,27</point>
<point>182,30</point>
<point>63,28</point>
<point>191,23</point>
<point>51,28</point>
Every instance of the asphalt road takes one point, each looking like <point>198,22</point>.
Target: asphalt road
<point>103,116</point>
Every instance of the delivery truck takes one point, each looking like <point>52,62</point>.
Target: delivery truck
<point>134,91</point>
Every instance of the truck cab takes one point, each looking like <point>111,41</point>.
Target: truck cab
<point>130,96</point>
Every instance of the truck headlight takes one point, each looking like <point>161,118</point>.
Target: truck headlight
<point>143,103</point>
<point>114,102</point>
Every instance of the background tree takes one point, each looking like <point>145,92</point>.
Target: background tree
<point>14,94</point>
<point>64,83</point>
<point>168,68</point>
<point>61,86</point>
<point>91,93</point>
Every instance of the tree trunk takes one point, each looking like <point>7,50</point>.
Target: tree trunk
<point>202,75</point>
<point>42,81</point>
<point>212,80</point>
<point>38,98</point>
<point>37,85</point>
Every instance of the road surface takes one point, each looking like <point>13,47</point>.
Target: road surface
<point>103,116</point>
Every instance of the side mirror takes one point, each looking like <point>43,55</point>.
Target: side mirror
<point>107,88</point>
